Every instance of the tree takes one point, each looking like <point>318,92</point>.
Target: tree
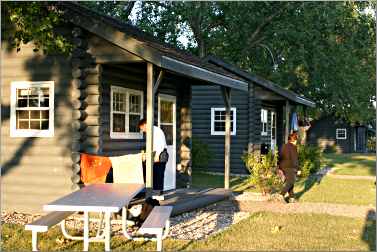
<point>324,50</point>
<point>36,22</point>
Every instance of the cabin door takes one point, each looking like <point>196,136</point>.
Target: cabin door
<point>167,122</point>
<point>273,130</point>
<point>360,139</point>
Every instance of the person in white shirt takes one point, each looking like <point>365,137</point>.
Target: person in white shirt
<point>160,156</point>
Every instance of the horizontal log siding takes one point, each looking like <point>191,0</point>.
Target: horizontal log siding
<point>35,170</point>
<point>205,97</point>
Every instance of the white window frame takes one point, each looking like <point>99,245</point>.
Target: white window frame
<point>337,134</point>
<point>126,92</point>
<point>264,122</point>
<point>222,133</point>
<point>14,132</point>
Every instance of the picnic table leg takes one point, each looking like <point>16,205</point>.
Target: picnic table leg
<point>107,230</point>
<point>34,240</point>
<point>86,230</point>
<point>159,241</point>
<point>124,224</point>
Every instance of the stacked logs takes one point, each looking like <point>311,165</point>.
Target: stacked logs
<point>85,73</point>
<point>185,170</point>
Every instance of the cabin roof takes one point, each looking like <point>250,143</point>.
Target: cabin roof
<point>149,47</point>
<point>262,82</point>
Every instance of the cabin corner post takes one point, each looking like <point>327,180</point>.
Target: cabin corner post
<point>227,102</point>
<point>85,73</point>
<point>287,115</point>
<point>149,130</point>
<point>184,169</point>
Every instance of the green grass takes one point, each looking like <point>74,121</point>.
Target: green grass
<point>261,231</point>
<point>204,180</point>
<point>335,190</point>
<point>352,164</point>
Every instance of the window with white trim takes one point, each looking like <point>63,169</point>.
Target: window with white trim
<point>126,112</point>
<point>264,119</point>
<point>218,121</point>
<point>341,134</point>
<point>32,109</point>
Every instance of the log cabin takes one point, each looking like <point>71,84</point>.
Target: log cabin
<point>260,119</point>
<point>55,107</point>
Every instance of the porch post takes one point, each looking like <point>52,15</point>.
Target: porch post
<point>149,131</point>
<point>287,110</point>
<point>226,96</point>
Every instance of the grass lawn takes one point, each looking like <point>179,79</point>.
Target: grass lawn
<point>352,164</point>
<point>261,231</point>
<point>204,180</point>
<point>334,190</point>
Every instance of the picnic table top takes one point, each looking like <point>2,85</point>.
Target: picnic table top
<point>109,197</point>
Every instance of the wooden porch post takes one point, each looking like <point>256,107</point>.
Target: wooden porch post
<point>226,96</point>
<point>287,110</point>
<point>149,131</point>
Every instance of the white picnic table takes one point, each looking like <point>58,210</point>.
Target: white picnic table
<point>101,198</point>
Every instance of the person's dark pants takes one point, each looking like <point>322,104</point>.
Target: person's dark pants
<point>290,178</point>
<point>158,175</point>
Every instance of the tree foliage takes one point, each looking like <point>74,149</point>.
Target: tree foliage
<point>24,22</point>
<point>322,50</point>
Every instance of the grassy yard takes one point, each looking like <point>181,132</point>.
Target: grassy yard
<point>352,164</point>
<point>334,190</point>
<point>204,180</point>
<point>261,231</point>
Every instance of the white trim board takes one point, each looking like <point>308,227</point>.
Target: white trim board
<point>14,132</point>
<point>222,133</point>
<point>126,92</point>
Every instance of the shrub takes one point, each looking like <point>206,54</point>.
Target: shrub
<point>371,144</point>
<point>263,171</point>
<point>309,159</point>
<point>201,154</point>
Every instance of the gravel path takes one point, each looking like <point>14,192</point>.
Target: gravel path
<point>332,175</point>
<point>195,225</point>
<point>306,207</point>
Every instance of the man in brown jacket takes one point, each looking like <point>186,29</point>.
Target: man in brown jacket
<point>288,163</point>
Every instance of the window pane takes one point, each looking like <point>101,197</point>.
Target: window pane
<point>135,103</point>
<point>219,126</point>
<point>33,101</point>
<point>134,120</point>
<point>45,114</point>
<point>44,102</point>
<point>166,112</point>
<point>22,114</point>
<point>23,125</point>
<point>35,114</point>
<point>22,103</point>
<point>168,130</point>
<point>35,125</point>
<point>44,125</point>
<point>119,123</point>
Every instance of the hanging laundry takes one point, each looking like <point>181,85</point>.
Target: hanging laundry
<point>294,122</point>
<point>94,168</point>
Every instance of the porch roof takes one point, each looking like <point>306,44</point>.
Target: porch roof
<point>292,96</point>
<point>149,48</point>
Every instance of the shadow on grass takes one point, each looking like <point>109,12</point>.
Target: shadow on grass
<point>309,183</point>
<point>369,230</point>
